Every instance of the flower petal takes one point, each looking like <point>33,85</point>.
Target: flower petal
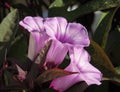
<point>91,75</point>
<point>39,41</point>
<point>35,26</point>
<point>31,48</point>
<point>71,33</point>
<point>77,34</point>
<point>56,53</point>
<point>32,23</point>
<point>85,71</point>
<point>79,56</point>
<point>68,81</point>
<point>55,27</point>
<point>63,83</point>
<point>88,73</point>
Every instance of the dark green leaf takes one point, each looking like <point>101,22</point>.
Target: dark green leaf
<point>19,48</point>
<point>113,47</point>
<point>104,26</point>
<point>51,74</point>
<point>65,62</point>
<point>104,87</point>
<point>90,6</point>
<point>79,87</point>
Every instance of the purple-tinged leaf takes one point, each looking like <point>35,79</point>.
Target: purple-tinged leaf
<point>40,59</point>
<point>51,74</point>
<point>32,75</point>
<point>101,60</point>
<point>37,66</point>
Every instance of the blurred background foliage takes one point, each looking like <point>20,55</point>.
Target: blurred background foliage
<point>100,17</point>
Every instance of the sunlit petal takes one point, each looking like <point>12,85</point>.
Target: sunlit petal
<point>56,53</point>
<point>55,27</point>
<point>77,35</point>
<point>32,23</point>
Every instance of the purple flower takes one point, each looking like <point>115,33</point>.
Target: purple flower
<point>66,38</point>
<point>70,34</point>
<point>35,26</point>
<point>86,72</point>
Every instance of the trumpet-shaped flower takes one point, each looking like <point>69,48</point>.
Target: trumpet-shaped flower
<point>36,28</point>
<point>66,38</point>
<point>85,71</point>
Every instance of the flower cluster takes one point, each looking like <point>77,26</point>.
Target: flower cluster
<point>66,38</point>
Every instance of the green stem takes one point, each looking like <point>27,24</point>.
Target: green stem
<point>6,79</point>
